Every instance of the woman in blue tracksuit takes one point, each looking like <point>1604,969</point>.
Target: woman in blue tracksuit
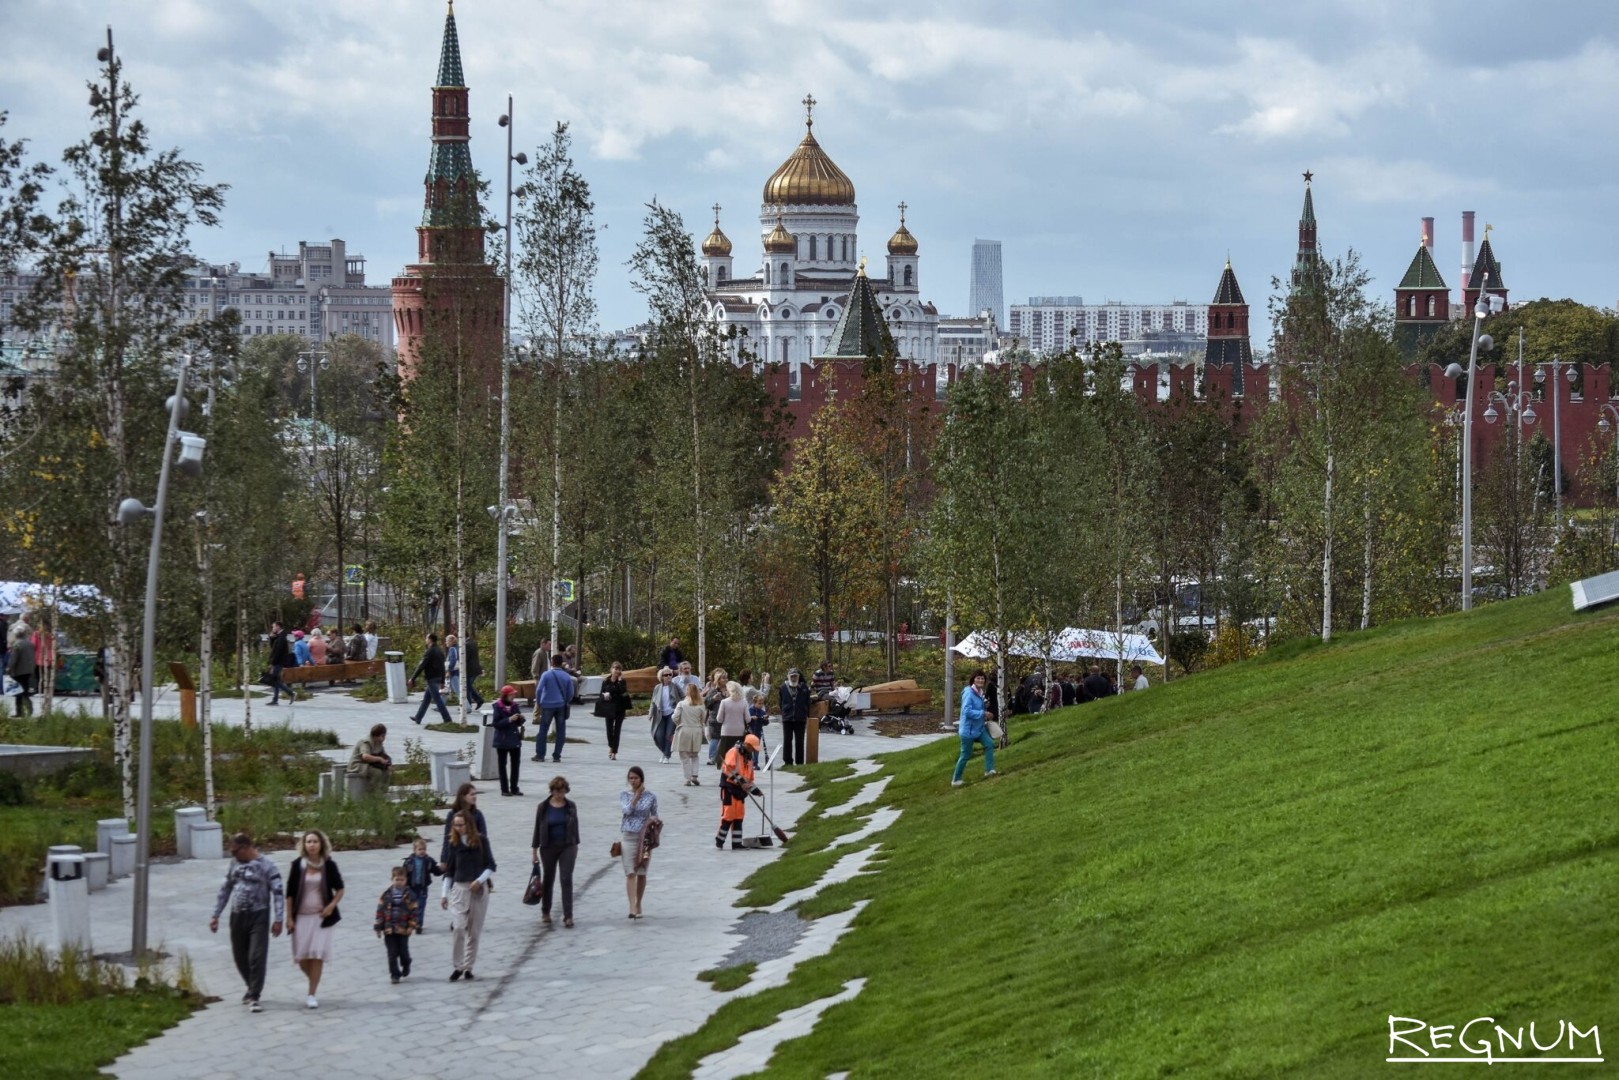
<point>972,729</point>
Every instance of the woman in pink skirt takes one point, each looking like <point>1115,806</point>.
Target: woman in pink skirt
<point>314,889</point>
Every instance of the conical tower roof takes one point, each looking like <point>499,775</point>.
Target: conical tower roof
<point>449,58</point>
<point>1228,291</point>
<point>1422,273</point>
<point>861,331</point>
<point>1486,263</point>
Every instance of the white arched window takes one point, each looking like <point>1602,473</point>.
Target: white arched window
<point>786,277</point>
<point>909,275</point>
<point>767,273</point>
<point>1411,306</point>
<point>1430,305</point>
<point>845,249</point>
<point>812,249</point>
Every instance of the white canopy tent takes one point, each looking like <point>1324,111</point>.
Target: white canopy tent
<point>71,600</point>
<point>1071,644</point>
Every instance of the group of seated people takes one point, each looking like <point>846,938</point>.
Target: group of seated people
<point>317,648</point>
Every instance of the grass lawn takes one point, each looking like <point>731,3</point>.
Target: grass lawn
<point>71,1042</point>
<point>1240,874</point>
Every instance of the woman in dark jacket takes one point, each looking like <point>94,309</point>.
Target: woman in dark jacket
<point>468,867</point>
<point>508,724</point>
<point>466,798</point>
<point>614,702</point>
<point>314,889</point>
<point>556,846</point>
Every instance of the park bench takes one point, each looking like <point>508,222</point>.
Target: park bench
<point>348,671</point>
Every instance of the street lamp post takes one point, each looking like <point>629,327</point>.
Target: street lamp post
<point>312,361</point>
<point>1556,389</point>
<point>504,514</point>
<point>130,511</point>
<point>1485,305</point>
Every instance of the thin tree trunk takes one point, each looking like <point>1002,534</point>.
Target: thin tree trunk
<point>1326,555</point>
<point>205,676</point>
<point>1366,566</point>
<point>247,676</point>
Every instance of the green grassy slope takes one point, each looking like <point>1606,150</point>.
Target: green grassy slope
<point>1242,874</point>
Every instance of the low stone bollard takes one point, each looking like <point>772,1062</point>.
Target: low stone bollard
<point>106,829</point>
<point>356,787</point>
<point>208,840</point>
<point>122,856</point>
<point>97,869</point>
<point>68,892</point>
<point>325,788</point>
<point>184,819</point>
<point>435,772</point>
<point>456,773</point>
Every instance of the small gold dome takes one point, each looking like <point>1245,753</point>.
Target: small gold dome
<point>780,241</point>
<point>717,244</point>
<point>809,178</point>
<point>902,242</point>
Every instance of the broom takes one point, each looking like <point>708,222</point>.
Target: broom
<point>780,835</point>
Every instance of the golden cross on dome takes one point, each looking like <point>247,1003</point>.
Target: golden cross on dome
<point>1308,175</point>
<point>1487,228</point>
<point>809,110</point>
<point>716,215</point>
<point>902,213</point>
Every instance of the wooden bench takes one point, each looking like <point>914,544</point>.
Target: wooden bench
<point>348,671</point>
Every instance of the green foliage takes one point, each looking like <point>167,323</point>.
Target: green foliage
<point>1187,648</point>
<point>625,644</point>
<point>726,979</point>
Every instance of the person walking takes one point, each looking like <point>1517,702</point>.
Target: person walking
<point>553,694</point>
<point>280,660</point>
<point>683,675</point>
<point>713,694</point>
<point>612,704</point>
<point>452,663</point>
<point>1138,678</point>
<point>732,716</point>
<point>431,669</point>
<point>556,847</point>
<point>538,664</point>
<point>691,723</point>
<point>638,811</point>
<point>671,656</point>
<point>420,869</point>
<point>469,866</point>
<point>736,784</point>
<point>314,889</point>
<point>508,722</point>
<point>466,799</point>
<point>472,668</point>
<point>397,918</point>
<point>21,665</point>
<point>660,713</point>
<point>972,729</point>
<point>795,707</point>
<point>252,888</point>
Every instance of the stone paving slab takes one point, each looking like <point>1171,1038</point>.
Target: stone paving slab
<point>597,1000</point>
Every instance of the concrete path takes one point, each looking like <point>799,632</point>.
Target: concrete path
<point>596,1000</point>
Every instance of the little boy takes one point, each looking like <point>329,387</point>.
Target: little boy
<point>396,921</point>
<point>420,870</point>
<point>756,715</point>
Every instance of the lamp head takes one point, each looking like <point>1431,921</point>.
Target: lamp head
<point>1570,374</point>
<point>1529,416</point>
<point>1540,374</point>
<point>180,407</point>
<point>191,448</point>
<point>1486,343</point>
<point>1604,426</point>
<point>132,510</point>
<point>1490,415</point>
<point>521,158</point>
<point>504,120</point>
<point>1454,371</point>
<point>494,512</point>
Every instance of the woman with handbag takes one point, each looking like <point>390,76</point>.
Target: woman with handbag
<point>713,694</point>
<point>973,728</point>
<point>611,706</point>
<point>638,818</point>
<point>314,889</point>
<point>556,847</point>
<point>691,730</point>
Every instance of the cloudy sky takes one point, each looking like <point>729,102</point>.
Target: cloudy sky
<point>1117,151</point>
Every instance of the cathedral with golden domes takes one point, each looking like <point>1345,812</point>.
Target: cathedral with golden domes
<point>792,291</point>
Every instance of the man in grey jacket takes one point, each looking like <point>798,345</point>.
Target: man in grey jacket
<point>252,886</point>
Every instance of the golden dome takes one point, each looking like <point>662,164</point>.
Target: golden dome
<point>902,242</point>
<point>809,177</point>
<point>780,241</point>
<point>717,243</point>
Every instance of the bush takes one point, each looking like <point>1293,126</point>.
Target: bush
<point>627,645</point>
<point>1187,647</point>
<point>12,791</point>
<point>1232,643</point>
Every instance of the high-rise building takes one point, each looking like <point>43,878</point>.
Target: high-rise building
<point>985,293</point>
<point>1050,324</point>
<point>320,294</point>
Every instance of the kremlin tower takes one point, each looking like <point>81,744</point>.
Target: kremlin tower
<point>451,282</point>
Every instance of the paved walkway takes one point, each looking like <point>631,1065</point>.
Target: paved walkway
<point>597,1000</point>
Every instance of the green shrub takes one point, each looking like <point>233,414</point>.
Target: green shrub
<point>627,645</point>
<point>13,792</point>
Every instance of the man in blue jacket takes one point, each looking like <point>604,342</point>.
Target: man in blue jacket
<point>552,694</point>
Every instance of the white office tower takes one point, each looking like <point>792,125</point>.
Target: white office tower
<point>985,292</point>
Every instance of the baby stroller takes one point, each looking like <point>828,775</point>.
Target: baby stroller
<point>837,711</point>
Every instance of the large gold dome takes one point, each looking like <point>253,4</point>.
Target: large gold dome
<point>809,178</point>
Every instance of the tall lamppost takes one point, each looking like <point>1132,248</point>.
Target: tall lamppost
<point>1556,364</point>
<point>1486,305</point>
<point>504,511</point>
<point>311,361</point>
<point>130,511</point>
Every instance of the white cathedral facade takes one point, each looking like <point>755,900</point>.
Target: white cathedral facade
<point>789,300</point>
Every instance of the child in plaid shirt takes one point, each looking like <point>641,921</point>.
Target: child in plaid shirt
<point>397,919</point>
<point>420,870</point>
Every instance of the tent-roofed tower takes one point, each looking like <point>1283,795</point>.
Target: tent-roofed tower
<point>451,269</point>
<point>1228,341</point>
<point>860,333</point>
<point>1421,299</point>
<point>1486,275</point>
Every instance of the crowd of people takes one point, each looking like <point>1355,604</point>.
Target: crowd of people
<point>315,647</point>
<point>25,653</point>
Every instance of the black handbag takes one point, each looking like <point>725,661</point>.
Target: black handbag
<point>535,890</point>
<point>601,707</point>
<point>333,919</point>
